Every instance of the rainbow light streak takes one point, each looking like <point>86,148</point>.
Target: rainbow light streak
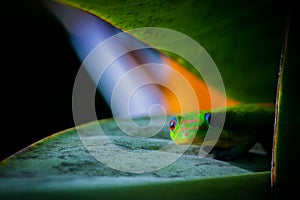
<point>86,32</point>
<point>128,84</point>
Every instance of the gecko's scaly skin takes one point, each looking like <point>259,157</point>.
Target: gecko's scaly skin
<point>244,125</point>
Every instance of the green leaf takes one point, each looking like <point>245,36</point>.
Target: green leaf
<point>60,166</point>
<point>287,137</point>
<point>244,38</point>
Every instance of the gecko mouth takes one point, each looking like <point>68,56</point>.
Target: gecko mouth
<point>185,138</point>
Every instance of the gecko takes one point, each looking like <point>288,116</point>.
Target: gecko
<point>243,125</point>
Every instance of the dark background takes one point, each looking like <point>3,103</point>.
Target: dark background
<point>38,68</point>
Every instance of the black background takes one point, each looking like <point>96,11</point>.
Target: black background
<point>38,68</point>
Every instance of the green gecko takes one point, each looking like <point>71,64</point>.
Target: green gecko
<point>243,126</point>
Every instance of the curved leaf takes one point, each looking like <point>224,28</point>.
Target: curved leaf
<point>60,166</point>
<point>243,37</point>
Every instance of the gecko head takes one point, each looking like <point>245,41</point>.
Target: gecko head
<point>189,128</point>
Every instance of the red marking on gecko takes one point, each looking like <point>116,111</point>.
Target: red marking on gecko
<point>194,128</point>
<point>189,120</point>
<point>186,134</point>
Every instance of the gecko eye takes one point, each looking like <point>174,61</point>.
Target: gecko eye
<point>173,123</point>
<point>207,117</point>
